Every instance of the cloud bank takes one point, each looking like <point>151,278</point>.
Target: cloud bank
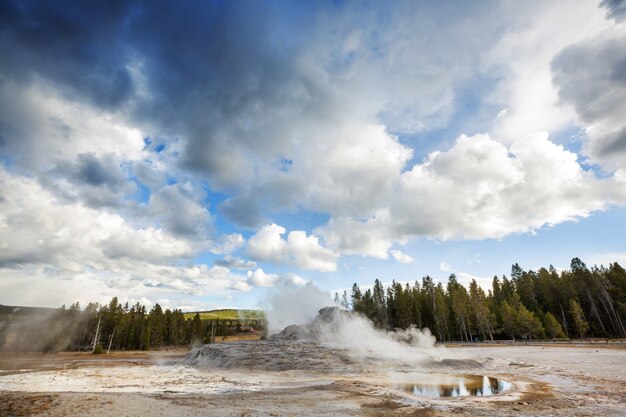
<point>145,155</point>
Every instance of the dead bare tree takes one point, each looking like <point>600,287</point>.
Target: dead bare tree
<point>97,335</point>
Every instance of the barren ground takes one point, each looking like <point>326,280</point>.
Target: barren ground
<point>548,381</point>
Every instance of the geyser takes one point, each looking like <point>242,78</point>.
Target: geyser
<point>336,339</point>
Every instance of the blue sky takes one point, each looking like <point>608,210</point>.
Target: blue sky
<point>200,156</point>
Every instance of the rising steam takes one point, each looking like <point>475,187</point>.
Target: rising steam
<point>301,312</point>
<point>289,304</point>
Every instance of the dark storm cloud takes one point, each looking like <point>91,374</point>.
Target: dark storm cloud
<point>180,214</point>
<point>219,74</point>
<point>98,181</point>
<point>60,126</point>
<point>77,45</point>
<point>233,262</point>
<point>92,171</point>
<point>219,53</point>
<point>249,85</point>
<point>243,211</point>
<point>616,143</point>
<point>588,73</point>
<point>591,76</point>
<point>192,50</point>
<point>616,8</point>
<point>20,261</point>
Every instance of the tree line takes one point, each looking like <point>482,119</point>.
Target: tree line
<point>114,326</point>
<point>575,303</point>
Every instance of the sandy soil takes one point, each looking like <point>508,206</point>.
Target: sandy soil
<point>548,381</point>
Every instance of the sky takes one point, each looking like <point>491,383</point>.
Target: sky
<point>203,154</point>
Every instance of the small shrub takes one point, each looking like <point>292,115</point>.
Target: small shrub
<point>99,350</point>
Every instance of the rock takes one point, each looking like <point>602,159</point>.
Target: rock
<point>311,331</point>
<point>293,332</point>
<point>274,355</point>
<point>328,314</point>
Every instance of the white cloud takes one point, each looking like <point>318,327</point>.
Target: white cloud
<point>45,128</point>
<point>235,262</point>
<point>227,244</point>
<point>401,257</point>
<point>479,189</point>
<point>537,32</point>
<point>484,282</point>
<point>296,279</point>
<point>353,88</point>
<point>353,172</point>
<point>405,74</point>
<point>306,252</point>
<point>179,211</point>
<point>606,259</point>
<point>259,278</point>
<point>35,227</point>
<point>348,236</point>
<point>353,167</point>
<point>267,245</point>
<point>298,249</point>
<point>318,127</point>
<point>475,259</point>
<point>445,267</point>
<point>97,254</point>
<point>51,286</point>
<point>240,286</point>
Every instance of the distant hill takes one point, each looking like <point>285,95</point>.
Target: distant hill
<point>228,314</point>
<point>15,312</point>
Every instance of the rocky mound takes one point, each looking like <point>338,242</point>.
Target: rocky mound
<point>333,341</point>
<point>270,355</point>
<point>295,347</point>
<point>312,330</point>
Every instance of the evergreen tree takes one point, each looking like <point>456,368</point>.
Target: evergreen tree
<point>460,305</point>
<point>480,310</point>
<point>158,327</point>
<point>368,308</point>
<point>344,300</point>
<point>578,318</point>
<point>380,308</point>
<point>146,333</point>
<point>356,297</point>
<point>197,333</point>
<point>509,320</point>
<point>416,305</point>
<point>552,326</point>
<point>528,323</point>
<point>579,301</point>
<point>429,307</point>
<point>441,306</point>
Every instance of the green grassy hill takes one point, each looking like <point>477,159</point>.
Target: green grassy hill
<point>228,314</point>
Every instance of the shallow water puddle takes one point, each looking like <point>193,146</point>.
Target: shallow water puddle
<point>439,385</point>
